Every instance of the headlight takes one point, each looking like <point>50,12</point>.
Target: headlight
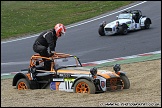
<point>93,71</point>
<point>116,67</point>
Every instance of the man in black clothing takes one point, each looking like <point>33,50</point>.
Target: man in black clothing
<point>47,40</point>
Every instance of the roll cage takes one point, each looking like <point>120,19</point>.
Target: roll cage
<point>58,60</point>
<point>136,14</point>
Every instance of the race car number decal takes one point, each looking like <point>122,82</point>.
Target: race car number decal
<point>68,82</point>
<point>61,84</point>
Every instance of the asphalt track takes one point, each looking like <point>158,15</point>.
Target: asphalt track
<point>82,39</point>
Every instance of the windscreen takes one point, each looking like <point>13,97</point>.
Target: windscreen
<point>67,62</point>
<point>124,16</point>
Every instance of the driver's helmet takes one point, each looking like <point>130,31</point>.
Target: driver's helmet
<point>60,29</point>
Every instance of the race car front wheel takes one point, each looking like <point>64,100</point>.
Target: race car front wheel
<point>84,86</point>
<point>123,29</point>
<point>22,84</point>
<point>125,81</point>
<point>101,31</point>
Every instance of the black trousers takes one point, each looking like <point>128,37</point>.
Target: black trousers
<point>43,51</point>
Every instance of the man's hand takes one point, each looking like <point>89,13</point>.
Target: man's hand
<point>50,54</point>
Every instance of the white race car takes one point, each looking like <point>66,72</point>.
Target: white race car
<point>129,20</point>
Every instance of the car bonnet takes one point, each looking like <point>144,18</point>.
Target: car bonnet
<point>81,70</point>
<point>112,24</point>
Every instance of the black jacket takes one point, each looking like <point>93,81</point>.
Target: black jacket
<point>48,39</point>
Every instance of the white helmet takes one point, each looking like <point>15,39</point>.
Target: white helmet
<point>60,29</point>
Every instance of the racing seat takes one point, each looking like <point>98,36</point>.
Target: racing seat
<point>47,65</point>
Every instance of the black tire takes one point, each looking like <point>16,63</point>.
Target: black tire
<point>126,82</point>
<point>101,31</point>
<point>84,86</point>
<point>147,24</point>
<point>123,30</point>
<point>22,84</point>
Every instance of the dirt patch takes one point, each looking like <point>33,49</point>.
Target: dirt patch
<point>145,90</point>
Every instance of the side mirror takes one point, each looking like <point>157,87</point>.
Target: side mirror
<point>93,71</point>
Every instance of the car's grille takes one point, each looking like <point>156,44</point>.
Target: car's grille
<point>108,29</point>
<point>114,84</point>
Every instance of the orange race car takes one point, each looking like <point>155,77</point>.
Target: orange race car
<point>68,74</point>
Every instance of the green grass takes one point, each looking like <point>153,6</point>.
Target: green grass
<point>20,18</point>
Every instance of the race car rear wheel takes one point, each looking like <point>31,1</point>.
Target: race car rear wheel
<point>84,86</point>
<point>22,84</point>
<point>125,81</point>
<point>101,31</point>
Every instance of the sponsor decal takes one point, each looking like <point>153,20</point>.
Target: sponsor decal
<point>69,79</point>
<point>66,75</point>
<point>135,25</point>
<point>58,79</point>
<point>102,84</point>
<point>54,85</point>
